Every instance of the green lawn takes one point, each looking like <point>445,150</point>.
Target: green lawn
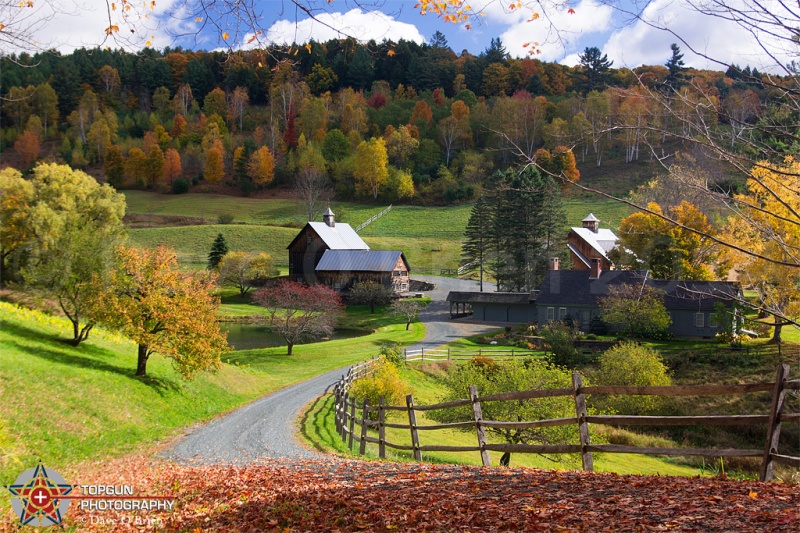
<point>430,237</point>
<point>65,404</point>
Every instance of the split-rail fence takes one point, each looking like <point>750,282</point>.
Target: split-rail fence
<point>353,420</point>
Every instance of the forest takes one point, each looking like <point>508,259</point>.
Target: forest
<point>389,121</point>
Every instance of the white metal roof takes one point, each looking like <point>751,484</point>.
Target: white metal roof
<point>339,237</point>
<point>603,241</point>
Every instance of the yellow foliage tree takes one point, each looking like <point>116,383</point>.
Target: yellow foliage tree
<point>371,163</point>
<point>261,166</point>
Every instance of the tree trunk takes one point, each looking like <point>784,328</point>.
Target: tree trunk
<point>408,323</point>
<point>776,334</point>
<point>290,346</point>
<point>372,308</point>
<point>141,363</point>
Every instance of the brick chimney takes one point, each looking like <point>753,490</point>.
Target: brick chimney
<point>594,273</point>
<point>554,263</point>
<point>327,218</point>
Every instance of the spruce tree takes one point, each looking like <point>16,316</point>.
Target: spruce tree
<point>218,251</point>
<point>676,67</point>
<point>478,243</point>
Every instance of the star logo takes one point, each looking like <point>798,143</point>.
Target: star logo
<point>38,497</point>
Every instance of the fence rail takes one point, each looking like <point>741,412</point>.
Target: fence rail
<point>441,354</point>
<point>372,219</point>
<point>353,421</point>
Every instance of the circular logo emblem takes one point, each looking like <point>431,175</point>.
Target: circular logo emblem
<point>37,497</point>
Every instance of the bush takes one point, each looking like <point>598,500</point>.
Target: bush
<point>225,218</point>
<point>562,344</point>
<point>392,352</point>
<point>632,364</point>
<point>180,186</point>
<point>384,382</point>
<point>484,365</point>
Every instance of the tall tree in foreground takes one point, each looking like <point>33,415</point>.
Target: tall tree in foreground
<point>770,206</point>
<point>300,312</point>
<point>164,310</point>
<point>74,225</point>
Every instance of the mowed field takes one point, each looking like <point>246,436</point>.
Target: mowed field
<point>430,237</point>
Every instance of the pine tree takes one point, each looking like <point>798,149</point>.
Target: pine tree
<point>218,251</point>
<point>676,67</point>
<point>478,243</point>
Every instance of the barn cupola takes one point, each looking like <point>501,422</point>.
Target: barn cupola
<point>592,223</point>
<point>327,218</point>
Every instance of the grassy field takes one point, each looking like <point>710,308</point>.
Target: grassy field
<point>319,430</point>
<point>430,237</point>
<point>66,404</point>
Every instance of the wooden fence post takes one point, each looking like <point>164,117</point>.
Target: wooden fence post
<point>479,429</point>
<point>352,423</point>
<point>382,429</point>
<point>362,447</point>
<point>343,416</point>
<point>412,421</point>
<point>774,425</point>
<point>583,426</point>
<point>422,354</point>
<point>336,398</point>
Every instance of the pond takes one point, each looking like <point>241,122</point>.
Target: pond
<point>243,336</point>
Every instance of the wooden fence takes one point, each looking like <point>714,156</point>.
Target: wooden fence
<point>448,354</point>
<point>353,421</point>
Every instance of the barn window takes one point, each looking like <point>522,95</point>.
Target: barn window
<point>404,286</point>
<point>396,273</point>
<point>403,273</point>
<point>562,313</point>
<point>699,320</point>
<point>551,313</point>
<point>337,286</point>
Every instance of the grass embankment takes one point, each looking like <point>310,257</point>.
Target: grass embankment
<point>430,237</point>
<point>65,404</point>
<point>319,430</point>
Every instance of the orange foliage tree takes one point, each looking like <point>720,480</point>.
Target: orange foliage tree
<point>261,166</point>
<point>172,165</point>
<point>28,146</point>
<point>164,310</point>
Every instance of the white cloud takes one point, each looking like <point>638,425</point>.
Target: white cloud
<point>641,44</point>
<point>355,23</point>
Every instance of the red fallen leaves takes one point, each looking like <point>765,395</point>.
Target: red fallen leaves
<point>340,495</point>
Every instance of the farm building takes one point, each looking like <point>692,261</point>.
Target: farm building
<point>590,242</point>
<point>518,307</point>
<point>307,249</point>
<point>341,269</point>
<point>690,304</point>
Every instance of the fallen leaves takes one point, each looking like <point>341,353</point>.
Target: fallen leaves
<point>340,495</point>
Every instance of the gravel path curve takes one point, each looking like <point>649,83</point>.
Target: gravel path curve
<point>265,429</point>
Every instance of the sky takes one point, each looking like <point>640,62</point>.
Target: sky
<point>589,24</point>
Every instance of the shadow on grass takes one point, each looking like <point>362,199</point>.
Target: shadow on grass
<point>319,431</point>
<point>58,350</point>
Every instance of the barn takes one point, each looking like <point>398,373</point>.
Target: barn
<point>308,247</point>
<point>341,269</point>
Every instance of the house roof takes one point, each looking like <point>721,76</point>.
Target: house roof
<point>339,237</point>
<point>504,298</point>
<point>575,287</point>
<point>591,218</point>
<point>603,241</point>
<point>360,260</point>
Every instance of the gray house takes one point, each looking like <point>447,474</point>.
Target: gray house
<point>509,307</point>
<point>690,304</point>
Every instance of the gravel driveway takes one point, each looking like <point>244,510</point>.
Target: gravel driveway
<point>265,429</point>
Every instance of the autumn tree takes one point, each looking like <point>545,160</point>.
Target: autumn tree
<point>638,311</point>
<point>632,364</point>
<point>370,293</point>
<point>74,225</point>
<point>16,200</point>
<point>261,166</point>
<point>172,165</point>
<point>312,184</point>
<point>27,147</point>
<point>300,312</point>
<point>245,270</point>
<point>770,206</point>
<point>371,172</point>
<point>114,166</point>
<point>214,168</point>
<point>647,241</point>
<point>136,166</point>
<point>164,310</point>
<point>215,104</point>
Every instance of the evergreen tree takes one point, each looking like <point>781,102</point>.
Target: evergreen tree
<point>596,70</point>
<point>479,242</point>
<point>218,251</point>
<point>676,67</point>
<point>528,217</point>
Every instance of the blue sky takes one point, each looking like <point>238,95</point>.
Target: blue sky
<point>591,24</point>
